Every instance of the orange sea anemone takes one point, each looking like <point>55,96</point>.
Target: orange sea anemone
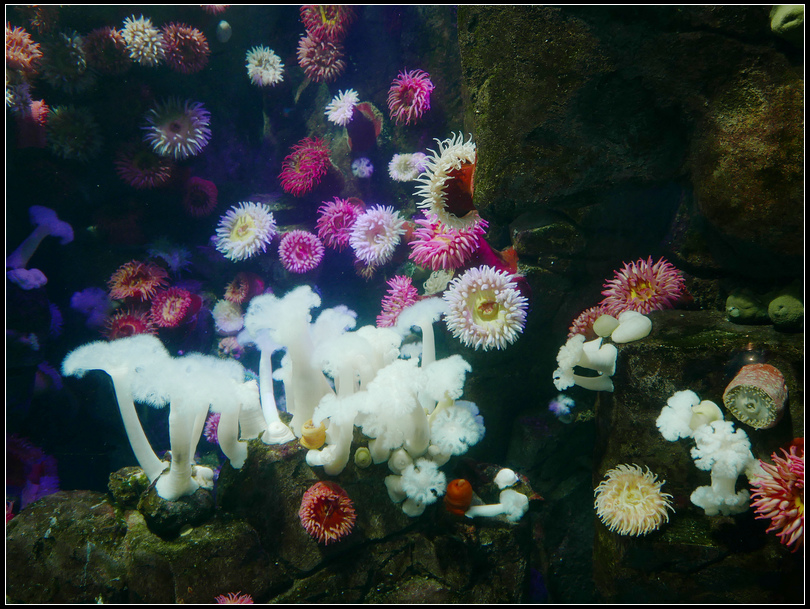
<point>458,497</point>
<point>137,280</point>
<point>128,322</point>
<point>22,53</point>
<point>244,287</point>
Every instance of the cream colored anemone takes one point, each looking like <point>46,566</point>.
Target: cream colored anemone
<point>447,184</point>
<point>629,501</point>
<point>245,230</point>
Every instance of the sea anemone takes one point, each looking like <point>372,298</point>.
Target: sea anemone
<point>137,280</point>
<point>448,182</point>
<point>437,246</point>
<point>244,287</point>
<point>778,495</point>
<point>210,429</point>
<point>376,234</point>
<point>144,41</point>
<point>106,51</point>
<point>406,167</point>
<point>171,307</point>
<point>32,123</point>
<point>486,308</point>
<point>65,65</point>
<point>329,21</point>
<point>362,168</point>
<point>409,96</point>
<point>176,129</point>
<point>185,48</point>
<point>401,293</point>
<point>139,166</point>
<point>335,221</point>
<point>228,317</point>
<point>456,428</point>
<point>313,436</point>
<point>583,324</point>
<point>423,483</point>
<point>561,407</point>
<point>341,108</point>
<point>199,197</point>
<point>232,598</point>
<point>245,230</point>
<point>264,67</point>
<point>300,251</point>
<point>643,287</point>
<point>22,53</point>
<point>321,59</point>
<point>629,501</point>
<point>73,133</point>
<point>128,322</point>
<point>327,513</point>
<point>304,168</point>
<point>756,395</point>
<point>458,497</point>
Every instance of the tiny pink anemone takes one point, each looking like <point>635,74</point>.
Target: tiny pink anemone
<point>643,287</point>
<point>335,221</point>
<point>376,234</point>
<point>304,168</point>
<point>300,251</point>
<point>779,496</point>
<point>437,246</point>
<point>409,96</point>
<point>401,293</point>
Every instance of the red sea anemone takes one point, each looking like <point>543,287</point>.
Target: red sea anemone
<point>176,129</point>
<point>437,246</point>
<point>335,221</point>
<point>137,280</point>
<point>173,306</point>
<point>779,496</point>
<point>304,168</point>
<point>321,59</point>
<point>185,48</point>
<point>583,324</point>
<point>401,293</point>
<point>244,287</point>
<point>199,197</point>
<point>300,251</point>
<point>643,286</point>
<point>329,21</point>
<point>128,322</point>
<point>106,51</point>
<point>409,96</point>
<point>326,512</point>
<point>138,166</point>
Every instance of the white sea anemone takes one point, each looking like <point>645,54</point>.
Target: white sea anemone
<point>456,428</point>
<point>486,309</point>
<point>245,230</point>
<point>406,167</point>
<point>341,108</point>
<point>447,184</point>
<point>629,501</point>
<point>376,234</point>
<point>144,41</point>
<point>228,317</point>
<point>264,67</point>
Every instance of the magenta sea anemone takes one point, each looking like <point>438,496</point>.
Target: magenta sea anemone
<point>437,246</point>
<point>335,221</point>
<point>486,308</point>
<point>176,129</point>
<point>409,96</point>
<point>300,251</point>
<point>199,197</point>
<point>304,168</point>
<point>401,293</point>
<point>643,286</point>
<point>779,496</point>
<point>376,234</point>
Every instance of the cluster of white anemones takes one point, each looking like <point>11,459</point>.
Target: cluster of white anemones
<point>264,67</point>
<point>452,154</point>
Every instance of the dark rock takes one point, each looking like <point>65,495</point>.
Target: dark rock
<point>168,518</point>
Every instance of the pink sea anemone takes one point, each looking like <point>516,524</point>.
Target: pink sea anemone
<point>173,306</point>
<point>437,246</point>
<point>300,251</point>
<point>211,426</point>
<point>327,21</point>
<point>485,308</point>
<point>140,167</point>
<point>243,287</point>
<point>106,51</point>
<point>32,124</point>
<point>137,280</point>
<point>327,513</point>
<point>304,168</point>
<point>320,58</point>
<point>779,496</point>
<point>643,286</point>
<point>335,221</point>
<point>376,234</point>
<point>583,324</point>
<point>401,293</point>
<point>199,197</point>
<point>233,598</point>
<point>176,129</point>
<point>128,322</point>
<point>409,96</point>
<point>185,48</point>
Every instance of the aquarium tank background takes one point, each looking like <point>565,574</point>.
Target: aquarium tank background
<point>404,304</point>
